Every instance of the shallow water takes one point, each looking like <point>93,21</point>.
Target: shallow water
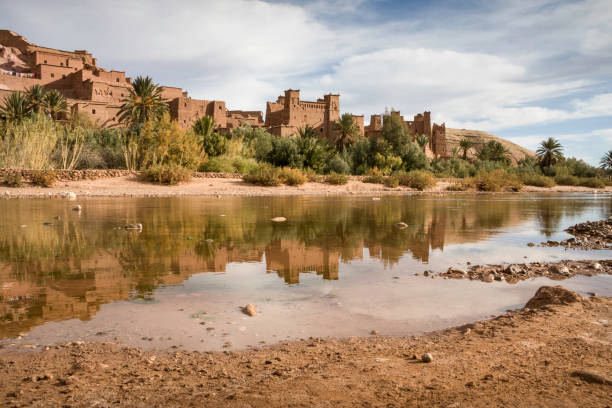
<point>336,267</point>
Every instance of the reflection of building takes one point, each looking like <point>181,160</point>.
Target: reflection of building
<point>289,258</point>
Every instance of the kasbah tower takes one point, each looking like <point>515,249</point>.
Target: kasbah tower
<point>99,93</point>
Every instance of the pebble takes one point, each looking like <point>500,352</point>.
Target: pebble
<point>77,208</point>
<point>373,332</point>
<point>249,310</point>
<point>427,358</point>
<point>278,219</point>
<point>400,225</point>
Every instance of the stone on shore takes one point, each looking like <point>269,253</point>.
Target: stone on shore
<point>552,295</point>
<point>249,310</point>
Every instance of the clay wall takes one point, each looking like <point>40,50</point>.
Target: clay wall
<point>375,126</point>
<point>17,83</point>
<point>102,113</point>
<point>358,119</point>
<point>170,92</point>
<point>438,140</point>
<point>186,110</point>
<point>238,118</point>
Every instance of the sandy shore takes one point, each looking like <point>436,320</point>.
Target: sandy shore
<point>131,186</point>
<point>552,355</point>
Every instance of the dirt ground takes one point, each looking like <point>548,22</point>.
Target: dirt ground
<point>132,187</point>
<point>555,355</point>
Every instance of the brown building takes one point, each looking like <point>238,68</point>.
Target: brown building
<point>99,93</point>
<point>285,116</point>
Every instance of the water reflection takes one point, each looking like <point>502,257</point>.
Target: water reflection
<point>84,260</point>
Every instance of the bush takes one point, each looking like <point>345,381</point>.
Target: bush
<point>293,177</point>
<point>43,178</point>
<point>170,174</point>
<point>374,176</point>
<point>337,179</point>
<point>264,175</point>
<point>538,180</point>
<point>338,165</point>
<point>417,179</point>
<point>28,144</point>
<point>458,187</point>
<point>592,183</point>
<point>13,180</point>
<point>228,164</point>
<point>312,175</point>
<point>497,180</point>
<point>567,180</point>
<point>391,182</point>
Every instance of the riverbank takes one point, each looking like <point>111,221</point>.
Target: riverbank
<point>231,185</point>
<point>555,353</point>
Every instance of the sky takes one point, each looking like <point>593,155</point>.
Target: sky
<point>522,70</point>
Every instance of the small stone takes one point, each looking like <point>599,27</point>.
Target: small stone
<point>373,332</point>
<point>597,266</point>
<point>400,225</point>
<point>531,244</point>
<point>427,358</point>
<point>249,310</point>
<point>78,208</point>
<point>134,226</point>
<point>278,219</point>
<point>70,195</point>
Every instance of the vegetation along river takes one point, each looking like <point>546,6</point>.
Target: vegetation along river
<point>336,267</point>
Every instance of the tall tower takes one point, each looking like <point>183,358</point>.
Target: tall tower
<point>292,102</point>
<point>332,113</point>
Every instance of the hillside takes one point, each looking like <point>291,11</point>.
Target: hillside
<point>479,138</point>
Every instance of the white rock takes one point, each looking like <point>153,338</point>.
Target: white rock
<point>278,219</point>
<point>427,358</point>
<point>70,195</point>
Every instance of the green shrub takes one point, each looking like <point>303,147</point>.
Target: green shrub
<point>264,175</point>
<point>374,176</point>
<point>13,180</point>
<point>337,179</point>
<point>170,174</point>
<point>567,180</point>
<point>43,178</point>
<point>391,182</point>
<point>293,177</point>
<point>417,179</point>
<point>592,182</point>
<point>338,165</point>
<point>497,180</point>
<point>538,180</point>
<point>228,164</point>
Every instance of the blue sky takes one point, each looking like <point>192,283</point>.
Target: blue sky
<point>524,70</point>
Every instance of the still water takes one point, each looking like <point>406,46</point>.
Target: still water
<point>336,267</point>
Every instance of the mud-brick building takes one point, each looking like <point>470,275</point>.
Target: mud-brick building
<point>285,116</point>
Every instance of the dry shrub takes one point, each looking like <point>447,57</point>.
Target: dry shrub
<point>417,179</point>
<point>538,180</point>
<point>336,179</point>
<point>391,182</point>
<point>497,180</point>
<point>170,174</point>
<point>592,182</point>
<point>567,180</point>
<point>264,175</point>
<point>43,178</point>
<point>293,177</point>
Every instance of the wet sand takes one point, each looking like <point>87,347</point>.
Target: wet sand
<point>130,186</point>
<point>551,355</point>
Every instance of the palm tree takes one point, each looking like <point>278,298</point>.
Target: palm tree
<point>606,161</point>
<point>549,152</point>
<point>144,102</point>
<point>465,145</point>
<point>455,151</point>
<point>15,107</point>
<point>35,96</point>
<point>54,104</point>
<point>347,131</point>
<point>422,141</point>
<point>494,151</point>
<point>307,132</point>
<point>204,126</point>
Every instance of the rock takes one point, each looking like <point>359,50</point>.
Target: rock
<point>373,332</point>
<point>499,278</point>
<point>249,310</point>
<point>77,208</point>
<point>455,272</point>
<point>70,195</point>
<point>427,358</point>
<point>426,273</point>
<point>134,227</point>
<point>488,277</point>
<point>560,269</point>
<point>552,295</point>
<point>591,377</point>
<point>513,269</point>
<point>531,244</point>
<point>278,219</point>
<point>597,266</point>
<point>400,225</point>
<point>47,224</point>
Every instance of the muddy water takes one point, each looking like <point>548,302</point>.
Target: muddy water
<point>336,267</point>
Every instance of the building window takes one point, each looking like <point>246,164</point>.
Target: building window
<point>63,76</point>
<point>185,104</point>
<point>117,79</point>
<point>52,75</point>
<point>61,64</point>
<point>93,111</point>
<point>45,61</point>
